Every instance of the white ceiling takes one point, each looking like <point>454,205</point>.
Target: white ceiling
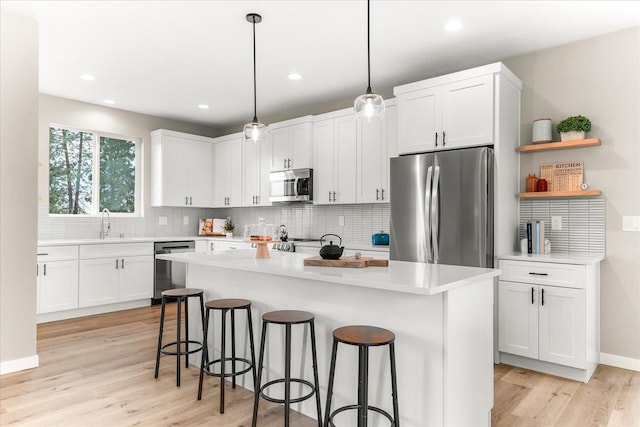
<point>165,57</point>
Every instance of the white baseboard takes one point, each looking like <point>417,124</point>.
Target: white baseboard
<point>19,364</point>
<point>620,361</point>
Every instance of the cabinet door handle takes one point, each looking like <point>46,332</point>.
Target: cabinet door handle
<point>542,301</point>
<point>190,201</point>
<point>45,270</point>
<point>186,200</point>
<point>257,200</point>
<point>116,263</point>
<point>37,270</point>
<point>436,139</point>
<point>284,163</point>
<point>382,193</point>
<point>122,263</point>
<point>377,191</point>
<point>211,245</point>
<point>289,163</point>
<point>444,138</point>
<point>532,291</point>
<point>538,274</point>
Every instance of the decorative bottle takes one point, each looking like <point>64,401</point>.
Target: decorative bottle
<point>532,181</point>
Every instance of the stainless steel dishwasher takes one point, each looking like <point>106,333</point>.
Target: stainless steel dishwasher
<point>170,275</point>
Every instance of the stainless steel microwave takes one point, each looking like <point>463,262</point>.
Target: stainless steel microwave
<point>292,185</point>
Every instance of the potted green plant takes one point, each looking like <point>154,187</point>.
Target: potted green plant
<point>573,128</point>
<point>229,226</point>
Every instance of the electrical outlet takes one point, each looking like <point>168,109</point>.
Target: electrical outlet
<point>185,220</point>
<point>341,220</point>
<point>556,222</point>
<point>162,220</point>
<point>631,223</point>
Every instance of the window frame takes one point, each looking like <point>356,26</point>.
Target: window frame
<point>95,170</point>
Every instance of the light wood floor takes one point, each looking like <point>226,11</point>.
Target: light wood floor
<point>98,371</point>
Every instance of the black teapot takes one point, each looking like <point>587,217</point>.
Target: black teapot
<point>331,251</point>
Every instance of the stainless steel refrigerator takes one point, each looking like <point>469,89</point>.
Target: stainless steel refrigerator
<point>442,207</point>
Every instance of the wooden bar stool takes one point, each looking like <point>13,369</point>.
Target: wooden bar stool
<point>363,337</point>
<point>227,305</point>
<point>287,318</point>
<point>181,295</point>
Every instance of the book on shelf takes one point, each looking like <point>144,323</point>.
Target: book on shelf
<point>535,237</point>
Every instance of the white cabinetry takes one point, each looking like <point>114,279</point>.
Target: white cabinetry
<point>457,110</point>
<point>548,316</point>
<point>374,149</point>
<point>257,165</point>
<point>116,272</point>
<point>180,169</point>
<point>334,157</point>
<point>227,182</point>
<point>57,284</point>
<point>291,144</point>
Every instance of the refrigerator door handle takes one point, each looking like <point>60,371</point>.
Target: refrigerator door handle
<point>427,211</point>
<point>435,213</point>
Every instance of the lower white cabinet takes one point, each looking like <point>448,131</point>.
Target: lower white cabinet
<point>114,273</point>
<point>57,283</point>
<point>548,317</point>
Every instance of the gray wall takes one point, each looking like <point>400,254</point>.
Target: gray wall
<point>598,78</point>
<point>18,143</point>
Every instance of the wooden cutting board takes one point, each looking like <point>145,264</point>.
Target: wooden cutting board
<point>350,262</point>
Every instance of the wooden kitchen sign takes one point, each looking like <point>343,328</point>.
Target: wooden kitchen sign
<point>563,176</point>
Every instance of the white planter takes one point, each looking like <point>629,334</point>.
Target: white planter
<point>229,233</point>
<point>571,136</point>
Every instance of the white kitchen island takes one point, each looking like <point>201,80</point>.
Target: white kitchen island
<point>442,317</point>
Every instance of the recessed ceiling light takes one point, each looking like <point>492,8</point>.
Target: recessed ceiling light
<point>203,106</point>
<point>453,25</point>
<point>109,101</point>
<point>87,77</point>
<point>295,76</point>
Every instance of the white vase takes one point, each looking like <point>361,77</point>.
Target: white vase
<point>571,136</point>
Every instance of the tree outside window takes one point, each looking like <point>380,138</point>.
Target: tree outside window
<point>83,183</point>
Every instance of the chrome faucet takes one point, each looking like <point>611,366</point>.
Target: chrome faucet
<point>103,232</point>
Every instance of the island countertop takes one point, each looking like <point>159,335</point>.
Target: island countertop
<point>405,277</point>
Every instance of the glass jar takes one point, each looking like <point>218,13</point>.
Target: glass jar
<point>531,183</point>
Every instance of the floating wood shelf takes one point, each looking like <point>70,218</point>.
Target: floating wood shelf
<point>552,194</point>
<point>559,145</point>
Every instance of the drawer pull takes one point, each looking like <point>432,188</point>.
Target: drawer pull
<point>542,297</point>
<point>43,254</point>
<point>532,300</point>
<point>539,274</point>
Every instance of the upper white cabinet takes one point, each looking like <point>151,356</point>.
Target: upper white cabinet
<point>456,110</point>
<point>227,181</point>
<point>548,316</point>
<point>374,148</point>
<point>57,284</point>
<point>181,173</point>
<point>334,157</point>
<point>256,165</point>
<point>291,144</point>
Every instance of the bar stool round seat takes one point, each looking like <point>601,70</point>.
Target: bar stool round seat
<point>206,366</point>
<point>363,337</point>
<point>175,348</point>
<point>287,318</point>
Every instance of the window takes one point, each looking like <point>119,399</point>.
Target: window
<point>90,171</point>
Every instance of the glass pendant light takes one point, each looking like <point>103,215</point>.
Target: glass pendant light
<point>369,106</point>
<point>254,130</point>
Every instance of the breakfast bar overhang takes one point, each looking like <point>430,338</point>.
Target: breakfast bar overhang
<point>442,317</point>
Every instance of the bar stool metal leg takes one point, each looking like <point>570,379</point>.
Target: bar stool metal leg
<point>222,359</point>
<point>332,374</point>
<point>205,353</point>
<point>179,302</point>
<point>287,374</point>
<point>363,385</point>
<point>233,348</point>
<point>394,385</point>
<point>259,375</point>
<point>160,338</point>
<point>314,357</point>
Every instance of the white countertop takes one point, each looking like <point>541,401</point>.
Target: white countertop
<point>406,277</point>
<point>582,259</point>
<point>112,240</point>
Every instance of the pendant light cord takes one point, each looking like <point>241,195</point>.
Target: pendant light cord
<point>368,52</point>
<point>255,102</point>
